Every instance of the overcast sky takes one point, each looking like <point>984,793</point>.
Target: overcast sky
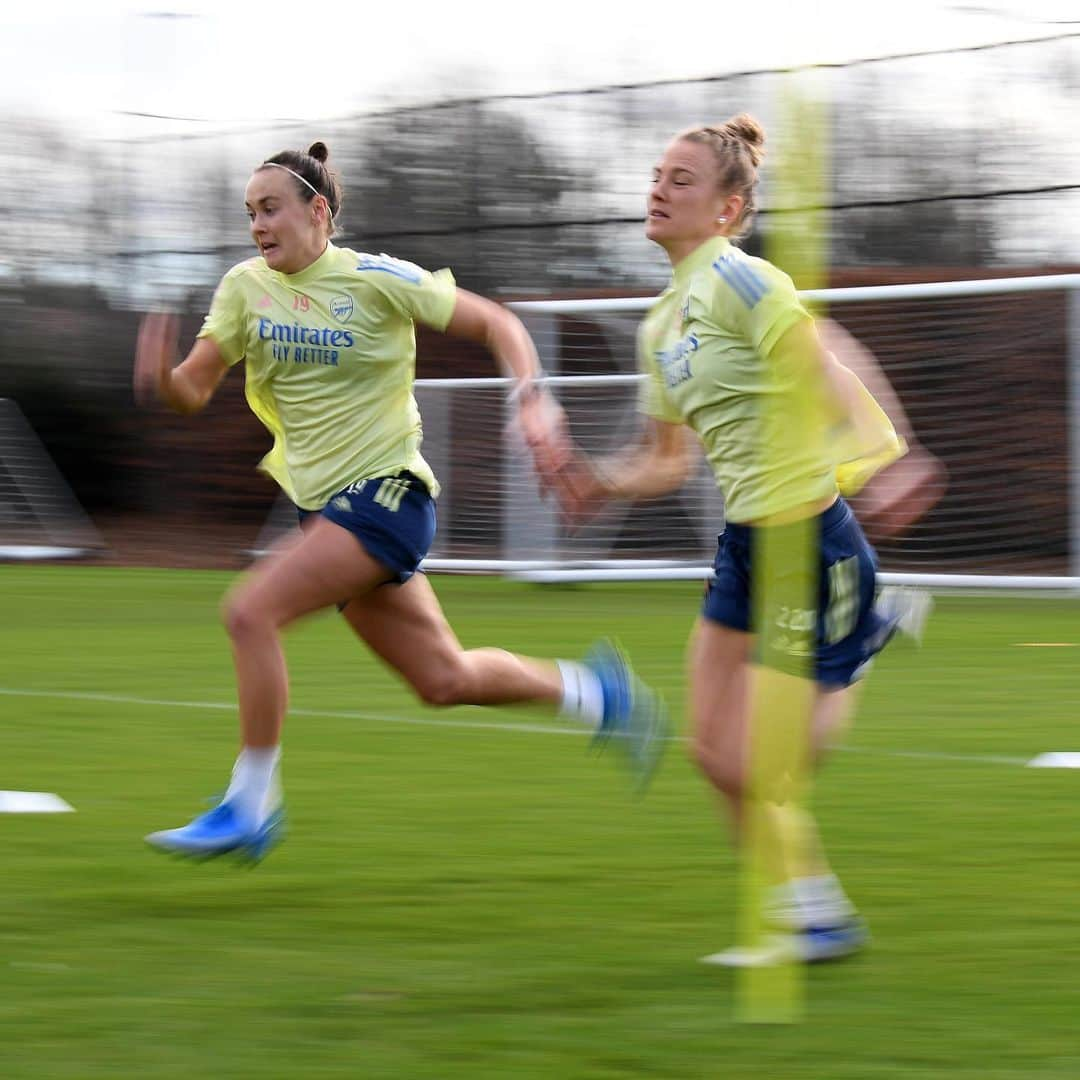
<point>208,65</point>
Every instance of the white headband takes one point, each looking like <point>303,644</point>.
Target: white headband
<point>310,186</point>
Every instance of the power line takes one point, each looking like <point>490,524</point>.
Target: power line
<point>1010,13</point>
<point>862,204</point>
<point>610,88</point>
<point>728,76</point>
<point>972,196</point>
<point>637,219</point>
<point>160,116</point>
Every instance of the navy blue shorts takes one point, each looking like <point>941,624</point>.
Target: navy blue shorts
<point>846,630</point>
<point>393,517</point>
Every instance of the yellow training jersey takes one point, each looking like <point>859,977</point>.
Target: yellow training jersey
<point>330,358</point>
<point>704,346</point>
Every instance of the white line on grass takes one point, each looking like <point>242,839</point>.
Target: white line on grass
<point>938,755</point>
<point>333,714</point>
<point>471,725</point>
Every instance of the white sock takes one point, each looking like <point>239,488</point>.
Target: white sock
<point>255,787</point>
<point>821,901</point>
<point>781,908</point>
<point>583,696</point>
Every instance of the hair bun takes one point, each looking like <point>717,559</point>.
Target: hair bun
<point>749,132</point>
<point>318,151</point>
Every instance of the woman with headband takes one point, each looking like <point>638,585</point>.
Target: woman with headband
<point>327,336</point>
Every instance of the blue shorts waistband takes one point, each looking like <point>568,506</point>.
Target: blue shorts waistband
<point>835,516</point>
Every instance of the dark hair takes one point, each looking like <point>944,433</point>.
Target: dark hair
<point>738,146</point>
<point>311,166</point>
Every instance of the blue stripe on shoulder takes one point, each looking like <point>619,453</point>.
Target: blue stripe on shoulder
<point>727,274</point>
<point>398,268</point>
<point>393,273</point>
<point>747,285</point>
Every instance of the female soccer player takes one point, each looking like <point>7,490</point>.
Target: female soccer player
<point>327,337</point>
<point>730,353</point>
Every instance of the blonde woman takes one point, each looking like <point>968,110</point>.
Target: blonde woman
<point>731,355</point>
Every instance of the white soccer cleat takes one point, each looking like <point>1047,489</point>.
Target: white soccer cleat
<point>905,609</point>
<point>774,950</point>
<point>812,945</point>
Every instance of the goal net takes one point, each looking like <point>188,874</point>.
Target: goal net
<point>40,518</point>
<point>986,371</point>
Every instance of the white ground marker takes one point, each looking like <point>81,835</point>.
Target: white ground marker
<point>1056,759</point>
<point>33,802</point>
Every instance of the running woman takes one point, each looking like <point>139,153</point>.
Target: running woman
<point>327,338</point>
<point>731,355</point>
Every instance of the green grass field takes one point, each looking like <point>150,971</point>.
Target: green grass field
<point>460,900</point>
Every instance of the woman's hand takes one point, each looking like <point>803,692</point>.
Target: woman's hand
<point>155,354</point>
<point>902,493</point>
<point>543,425</point>
<point>185,388</point>
<point>562,470</point>
<point>581,490</point>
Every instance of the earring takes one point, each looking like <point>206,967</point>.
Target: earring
<point>721,221</point>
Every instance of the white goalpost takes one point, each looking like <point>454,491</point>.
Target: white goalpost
<point>40,518</point>
<point>988,371</point>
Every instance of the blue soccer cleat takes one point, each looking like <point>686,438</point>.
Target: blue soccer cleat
<point>635,717</point>
<point>220,832</point>
<point>818,943</point>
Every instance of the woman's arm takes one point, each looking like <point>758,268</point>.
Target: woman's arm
<point>541,419</point>
<point>659,463</point>
<point>898,490</point>
<point>859,423</point>
<point>481,320</point>
<point>185,388</point>
<point>857,358</point>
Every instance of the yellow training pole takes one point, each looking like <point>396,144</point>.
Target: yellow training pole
<point>784,582</point>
